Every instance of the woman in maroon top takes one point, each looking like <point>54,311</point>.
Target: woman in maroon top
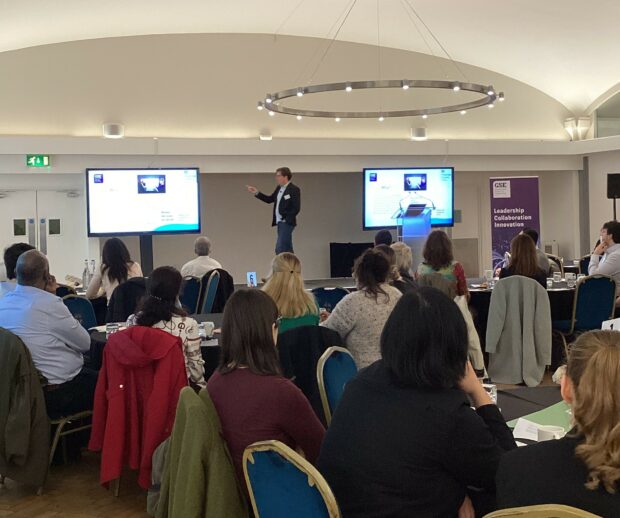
<point>253,400</point>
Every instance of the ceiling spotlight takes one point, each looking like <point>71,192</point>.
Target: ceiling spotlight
<point>337,119</point>
<point>463,112</point>
<point>491,106</point>
<point>299,117</point>
<point>490,90</point>
<point>348,87</point>
<point>418,134</point>
<point>260,106</point>
<point>381,119</point>
<point>300,92</point>
<point>113,130</point>
<point>406,84</point>
<point>268,98</point>
<point>271,114</point>
<point>456,87</point>
<point>501,97</point>
<point>265,136</point>
<point>425,116</point>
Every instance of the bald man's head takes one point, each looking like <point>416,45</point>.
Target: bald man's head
<point>32,269</point>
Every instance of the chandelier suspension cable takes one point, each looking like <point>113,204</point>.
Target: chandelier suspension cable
<point>344,20</point>
<point>285,21</point>
<point>439,60</point>
<point>408,2</point>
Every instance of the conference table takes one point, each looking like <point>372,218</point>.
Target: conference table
<point>561,299</point>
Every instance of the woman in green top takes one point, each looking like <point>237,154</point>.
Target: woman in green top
<point>285,286</point>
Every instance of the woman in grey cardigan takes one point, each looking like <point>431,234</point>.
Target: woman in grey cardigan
<point>360,316</point>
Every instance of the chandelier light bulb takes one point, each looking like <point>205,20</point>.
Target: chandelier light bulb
<point>490,90</point>
<point>382,118</point>
<point>268,99</point>
<point>299,117</point>
<point>300,92</point>
<point>406,85</point>
<point>271,114</point>
<point>425,116</point>
<point>491,106</point>
<point>501,97</point>
<point>463,112</point>
<point>456,87</point>
<point>260,106</point>
<point>337,119</point>
<point>348,87</point>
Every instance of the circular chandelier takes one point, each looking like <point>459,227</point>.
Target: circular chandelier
<point>273,104</point>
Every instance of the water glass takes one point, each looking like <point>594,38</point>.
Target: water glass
<point>549,283</point>
<point>491,391</point>
<point>571,283</point>
<point>202,332</point>
<point>110,329</point>
<point>557,277</point>
<point>576,263</point>
<point>488,275</point>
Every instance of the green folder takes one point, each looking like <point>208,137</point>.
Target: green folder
<point>555,415</point>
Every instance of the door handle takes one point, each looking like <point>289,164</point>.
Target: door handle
<point>32,240</point>
<point>43,236</point>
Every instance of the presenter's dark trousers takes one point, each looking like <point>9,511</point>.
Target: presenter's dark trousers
<point>284,243</point>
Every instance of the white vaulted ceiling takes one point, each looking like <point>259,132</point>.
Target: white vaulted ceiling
<point>197,68</point>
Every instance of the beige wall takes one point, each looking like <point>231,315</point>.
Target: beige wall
<point>243,240</point>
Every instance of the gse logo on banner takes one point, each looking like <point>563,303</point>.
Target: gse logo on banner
<point>501,189</point>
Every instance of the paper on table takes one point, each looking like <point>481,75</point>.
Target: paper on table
<point>210,343</point>
<point>525,429</point>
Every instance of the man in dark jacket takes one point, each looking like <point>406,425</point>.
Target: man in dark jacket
<point>287,203</point>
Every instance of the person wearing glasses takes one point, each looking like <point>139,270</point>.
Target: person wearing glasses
<point>287,204</point>
<point>252,398</point>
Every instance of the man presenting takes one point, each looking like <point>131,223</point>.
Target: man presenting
<point>287,203</point>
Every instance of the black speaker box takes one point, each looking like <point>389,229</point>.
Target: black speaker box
<point>613,185</point>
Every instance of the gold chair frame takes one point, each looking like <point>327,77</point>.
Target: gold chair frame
<point>542,511</point>
<point>314,477</point>
<point>320,366</point>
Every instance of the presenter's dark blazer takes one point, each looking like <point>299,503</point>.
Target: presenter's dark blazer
<point>289,207</point>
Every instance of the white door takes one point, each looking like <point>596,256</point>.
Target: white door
<point>52,221</point>
<point>467,231</point>
<point>18,216</point>
<point>62,231</point>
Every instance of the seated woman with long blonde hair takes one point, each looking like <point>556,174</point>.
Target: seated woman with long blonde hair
<point>285,286</point>
<point>583,468</point>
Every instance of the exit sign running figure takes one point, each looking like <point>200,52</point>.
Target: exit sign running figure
<point>37,160</point>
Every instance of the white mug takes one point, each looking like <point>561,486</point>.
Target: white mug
<point>549,433</point>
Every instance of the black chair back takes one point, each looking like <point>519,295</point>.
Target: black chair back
<point>125,298</point>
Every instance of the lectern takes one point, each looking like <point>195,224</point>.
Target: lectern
<point>413,226</point>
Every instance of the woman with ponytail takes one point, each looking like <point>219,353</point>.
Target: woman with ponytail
<point>285,286</point>
<point>161,309</point>
<point>360,316</point>
<point>583,468</point>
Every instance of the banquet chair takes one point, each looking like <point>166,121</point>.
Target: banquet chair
<point>81,309</point>
<point>281,484</point>
<point>125,299</point>
<point>335,368</point>
<point>557,264</point>
<point>190,294</point>
<point>210,292</point>
<point>594,302</point>
<point>584,263</point>
<point>328,298</point>
<point>541,511</point>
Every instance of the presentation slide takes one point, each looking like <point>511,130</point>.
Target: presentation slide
<point>143,201</point>
<point>388,191</point>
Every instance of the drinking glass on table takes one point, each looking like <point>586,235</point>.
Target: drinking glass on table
<point>549,283</point>
<point>557,277</point>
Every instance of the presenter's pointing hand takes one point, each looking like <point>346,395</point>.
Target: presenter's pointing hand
<point>251,189</point>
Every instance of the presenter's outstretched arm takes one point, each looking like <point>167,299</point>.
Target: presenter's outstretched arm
<point>251,189</point>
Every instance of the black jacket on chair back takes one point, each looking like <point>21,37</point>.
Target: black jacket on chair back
<point>125,298</point>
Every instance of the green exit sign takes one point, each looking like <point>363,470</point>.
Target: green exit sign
<point>37,160</point>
